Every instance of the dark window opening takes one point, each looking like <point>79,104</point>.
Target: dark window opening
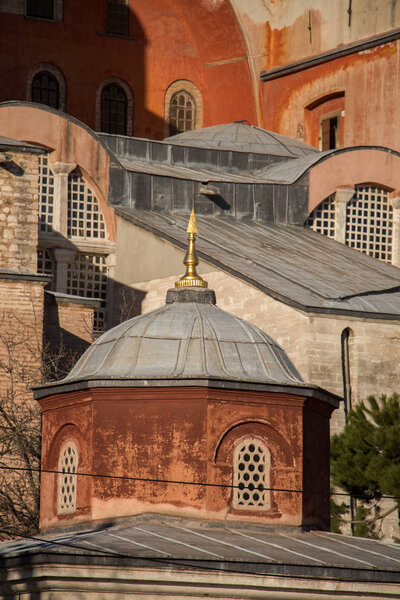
<point>181,113</point>
<point>113,110</point>
<point>40,9</point>
<point>330,133</point>
<point>45,90</point>
<point>117,17</point>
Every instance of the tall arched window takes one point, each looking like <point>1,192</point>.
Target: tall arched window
<point>114,106</point>
<point>45,89</point>
<point>67,479</point>
<point>182,113</point>
<point>251,475</point>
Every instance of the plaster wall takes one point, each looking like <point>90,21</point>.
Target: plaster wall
<point>168,40</point>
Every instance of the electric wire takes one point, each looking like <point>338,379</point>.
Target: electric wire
<point>196,483</point>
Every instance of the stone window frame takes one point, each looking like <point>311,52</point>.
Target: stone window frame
<point>325,118</point>
<point>67,479</point>
<point>56,73</point>
<point>183,85</point>
<point>244,475</point>
<point>58,12</point>
<point>130,103</point>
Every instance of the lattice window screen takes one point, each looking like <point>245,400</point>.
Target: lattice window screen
<point>322,218</point>
<point>85,219</point>
<point>251,469</point>
<point>68,465</point>
<point>182,113</point>
<point>46,195</point>
<point>369,221</point>
<point>87,276</point>
<point>45,263</point>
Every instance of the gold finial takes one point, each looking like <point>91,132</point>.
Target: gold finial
<point>191,278</point>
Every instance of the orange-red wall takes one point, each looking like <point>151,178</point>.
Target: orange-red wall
<point>175,39</point>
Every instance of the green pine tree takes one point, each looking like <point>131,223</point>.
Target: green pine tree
<point>365,459</point>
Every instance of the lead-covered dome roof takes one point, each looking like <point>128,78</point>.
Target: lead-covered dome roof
<point>242,137</point>
<point>188,338</point>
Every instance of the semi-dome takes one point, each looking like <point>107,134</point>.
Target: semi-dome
<point>242,137</point>
<point>188,338</point>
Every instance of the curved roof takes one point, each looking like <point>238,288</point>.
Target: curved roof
<point>242,137</point>
<point>188,338</point>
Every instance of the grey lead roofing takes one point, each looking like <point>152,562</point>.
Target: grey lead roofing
<point>242,137</point>
<point>288,262</point>
<point>163,541</point>
<point>188,338</point>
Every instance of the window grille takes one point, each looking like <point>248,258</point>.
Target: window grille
<point>369,220</point>
<point>45,263</point>
<point>181,113</point>
<point>113,109</point>
<point>117,17</point>
<point>40,9</point>
<point>46,195</point>
<point>251,469</point>
<point>67,467</point>
<point>85,219</point>
<point>322,218</point>
<point>87,276</point>
<point>45,89</point>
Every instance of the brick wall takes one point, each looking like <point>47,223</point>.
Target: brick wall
<point>19,212</point>
<point>21,331</point>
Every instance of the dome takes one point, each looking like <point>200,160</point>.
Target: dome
<point>242,137</point>
<point>188,338</point>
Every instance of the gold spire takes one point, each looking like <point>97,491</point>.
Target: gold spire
<point>191,278</point>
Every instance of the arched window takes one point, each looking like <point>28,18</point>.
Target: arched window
<point>114,109</point>
<point>251,475</point>
<point>182,113</point>
<point>45,89</point>
<point>67,479</point>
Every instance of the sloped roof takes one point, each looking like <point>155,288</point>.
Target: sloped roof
<point>290,263</point>
<point>164,542</point>
<point>242,137</point>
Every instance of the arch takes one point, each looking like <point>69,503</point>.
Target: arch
<point>188,88</point>
<point>117,82</point>
<point>351,167</point>
<point>73,142</point>
<point>280,449</point>
<point>57,75</point>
